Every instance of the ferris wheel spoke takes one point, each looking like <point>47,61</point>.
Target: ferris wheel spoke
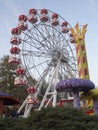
<point>33,65</point>
<point>48,34</point>
<point>36,53</point>
<point>45,42</point>
<point>39,64</point>
<point>57,37</point>
<point>34,41</point>
<point>40,42</point>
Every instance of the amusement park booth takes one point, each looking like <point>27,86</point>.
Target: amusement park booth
<point>66,102</point>
<point>7,100</point>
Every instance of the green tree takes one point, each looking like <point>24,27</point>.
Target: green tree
<point>7,77</point>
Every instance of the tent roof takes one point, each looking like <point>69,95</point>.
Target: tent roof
<point>9,99</point>
<point>4,94</point>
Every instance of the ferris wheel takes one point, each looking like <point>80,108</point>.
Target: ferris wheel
<point>43,50</point>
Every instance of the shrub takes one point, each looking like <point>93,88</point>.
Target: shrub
<point>52,119</point>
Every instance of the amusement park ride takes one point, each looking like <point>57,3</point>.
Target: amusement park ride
<point>45,48</point>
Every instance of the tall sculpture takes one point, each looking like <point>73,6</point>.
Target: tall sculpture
<point>78,35</point>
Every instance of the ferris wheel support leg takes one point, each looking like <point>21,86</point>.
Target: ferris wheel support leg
<point>49,101</point>
<point>55,92</point>
<point>26,108</point>
<point>54,98</point>
<point>27,113</point>
<point>49,87</point>
<point>43,101</point>
<point>46,93</point>
<point>22,106</point>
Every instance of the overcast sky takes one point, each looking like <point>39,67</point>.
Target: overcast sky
<point>81,11</point>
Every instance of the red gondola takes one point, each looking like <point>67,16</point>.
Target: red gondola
<point>15,41</point>
<point>72,40</point>
<point>31,90</point>
<point>30,100</point>
<point>15,31</point>
<point>64,28</point>
<point>54,15</point>
<point>19,81</point>
<point>71,35</point>
<point>55,21</point>
<point>22,26</point>
<point>64,24</point>
<point>32,16</point>
<point>44,17</point>
<point>32,11</point>
<point>32,19</point>
<point>22,18</point>
<point>15,50</point>
<point>14,60</point>
<point>20,71</point>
